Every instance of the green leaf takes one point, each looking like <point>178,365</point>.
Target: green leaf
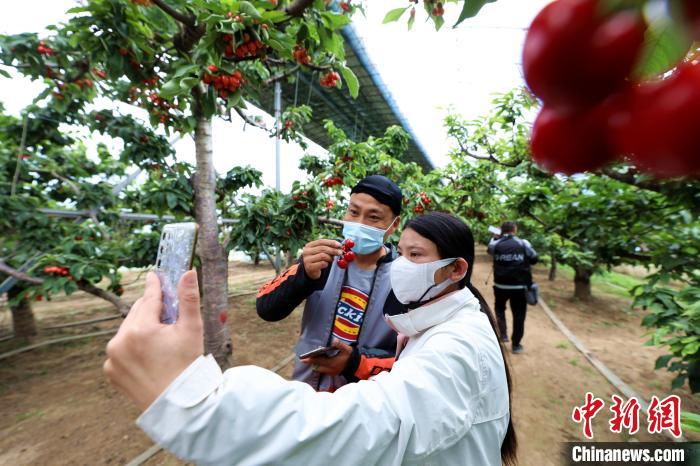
<point>172,200</point>
<point>188,83</point>
<point>470,9</point>
<point>665,43</point>
<point>678,382</point>
<point>351,81</point>
<point>439,21</point>
<point>394,15</point>
<point>690,421</point>
<point>250,10</point>
<point>334,20</point>
<point>275,16</point>
<point>5,73</point>
<point>411,20</point>
<point>170,89</point>
<point>663,361</point>
<point>183,70</point>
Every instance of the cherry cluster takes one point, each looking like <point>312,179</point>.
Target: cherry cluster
<point>57,271</point>
<point>44,49</point>
<point>249,47</point>
<point>161,107</point>
<point>347,256</point>
<point>332,181</point>
<point>579,60</point>
<point>222,82</point>
<point>301,55</point>
<point>329,79</point>
<point>422,204</point>
<point>438,10</point>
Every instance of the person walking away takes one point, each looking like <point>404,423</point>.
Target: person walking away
<point>512,258</point>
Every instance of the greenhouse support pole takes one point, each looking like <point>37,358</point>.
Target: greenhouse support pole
<point>278,133</point>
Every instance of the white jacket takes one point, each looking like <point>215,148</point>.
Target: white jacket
<point>445,402</point>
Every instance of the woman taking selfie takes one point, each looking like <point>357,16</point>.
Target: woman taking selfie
<point>445,401</point>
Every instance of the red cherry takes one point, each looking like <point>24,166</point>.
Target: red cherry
<point>213,68</point>
<point>569,141</point>
<point>342,263</point>
<point>349,256</point>
<point>123,52</point>
<point>691,12</point>
<point>350,243</point>
<point>659,132</point>
<point>574,55</point>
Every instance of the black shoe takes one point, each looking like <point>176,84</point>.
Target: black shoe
<point>505,339</point>
<point>517,349</point>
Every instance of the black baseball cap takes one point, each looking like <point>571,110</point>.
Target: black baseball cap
<point>382,189</point>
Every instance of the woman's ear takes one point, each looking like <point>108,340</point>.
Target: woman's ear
<point>460,269</point>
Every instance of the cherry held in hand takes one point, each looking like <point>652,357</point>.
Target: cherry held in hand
<point>347,256</point>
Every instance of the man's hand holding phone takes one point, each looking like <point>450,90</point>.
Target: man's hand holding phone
<point>326,364</point>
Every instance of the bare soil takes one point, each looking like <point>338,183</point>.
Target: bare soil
<point>56,408</point>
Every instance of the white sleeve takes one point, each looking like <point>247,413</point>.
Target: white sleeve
<point>251,416</point>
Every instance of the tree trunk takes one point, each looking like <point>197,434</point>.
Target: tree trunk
<point>217,340</point>
<point>290,259</point>
<point>23,323</point>
<point>553,269</point>
<point>256,261</point>
<point>582,283</point>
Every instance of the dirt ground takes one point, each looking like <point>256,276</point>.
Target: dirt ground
<point>56,408</point>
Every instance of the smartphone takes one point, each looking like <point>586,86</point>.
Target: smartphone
<point>495,230</point>
<point>175,255</point>
<point>320,351</point>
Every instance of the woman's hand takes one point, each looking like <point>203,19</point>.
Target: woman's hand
<point>145,356</point>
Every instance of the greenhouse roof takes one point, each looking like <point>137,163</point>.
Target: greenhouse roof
<point>370,114</point>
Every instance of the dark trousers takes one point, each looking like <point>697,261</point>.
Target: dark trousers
<point>518,305</point>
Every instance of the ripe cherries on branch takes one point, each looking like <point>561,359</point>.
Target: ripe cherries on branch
<point>573,55</point>
<point>659,129</point>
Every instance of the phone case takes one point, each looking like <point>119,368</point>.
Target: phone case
<point>321,350</point>
<point>175,254</point>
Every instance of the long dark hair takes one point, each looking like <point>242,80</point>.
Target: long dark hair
<point>453,238</point>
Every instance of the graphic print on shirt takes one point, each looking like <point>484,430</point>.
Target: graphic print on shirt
<point>349,314</point>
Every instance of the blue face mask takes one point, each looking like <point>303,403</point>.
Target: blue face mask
<point>367,239</point>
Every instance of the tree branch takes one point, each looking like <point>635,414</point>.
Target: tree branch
<point>242,59</point>
<point>297,8</point>
<point>280,62</point>
<point>187,20</point>
<point>282,76</point>
<point>248,120</point>
<point>4,268</point>
<point>465,151</point>
<point>121,306</point>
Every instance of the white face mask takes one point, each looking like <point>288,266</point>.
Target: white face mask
<point>413,282</point>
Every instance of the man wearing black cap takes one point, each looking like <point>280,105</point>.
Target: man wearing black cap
<point>346,303</point>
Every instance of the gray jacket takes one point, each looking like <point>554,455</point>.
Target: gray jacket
<point>376,341</point>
